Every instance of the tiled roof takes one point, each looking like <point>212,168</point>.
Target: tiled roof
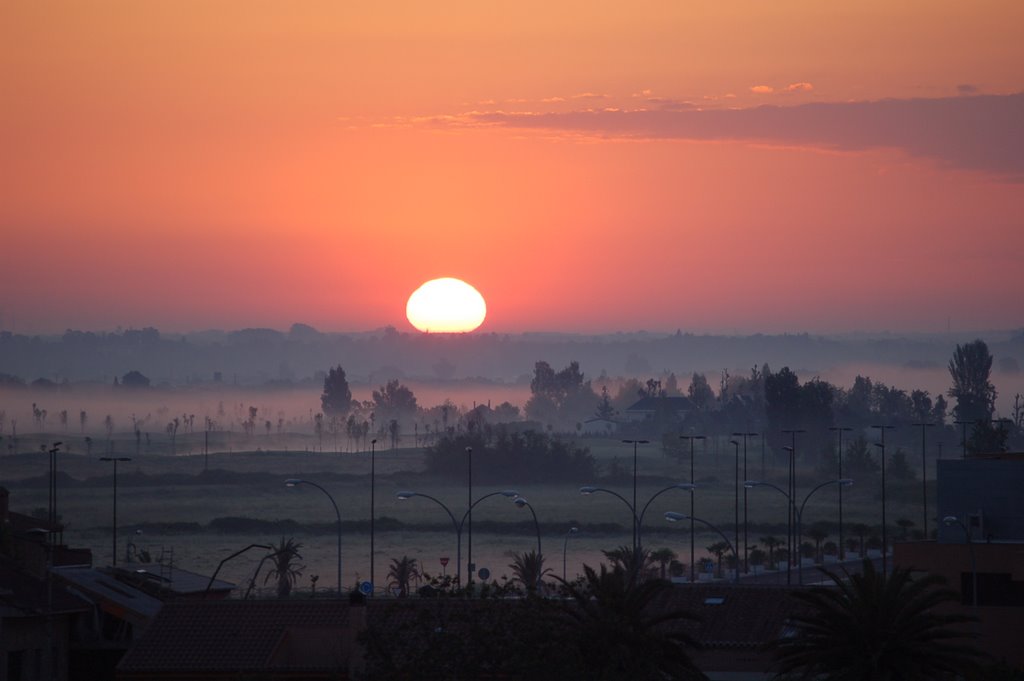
<point>217,636</point>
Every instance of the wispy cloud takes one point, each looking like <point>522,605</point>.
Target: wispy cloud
<point>762,89</point>
<point>983,132</point>
<point>798,87</point>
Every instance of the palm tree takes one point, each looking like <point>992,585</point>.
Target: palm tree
<point>869,627</point>
<point>401,574</point>
<point>286,568</point>
<point>772,543</point>
<point>663,557</point>
<point>633,562</point>
<point>528,568</point>
<point>860,529</point>
<point>624,629</point>
<point>818,533</point>
<point>718,548</point>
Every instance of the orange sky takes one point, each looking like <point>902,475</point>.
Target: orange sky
<point>588,166</point>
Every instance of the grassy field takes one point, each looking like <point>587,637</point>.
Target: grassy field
<point>423,531</point>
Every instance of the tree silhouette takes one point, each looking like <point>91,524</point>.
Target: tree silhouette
<point>336,399</point>
<point>718,548</point>
<point>772,543</point>
<point>970,369</point>
<point>401,574</point>
<point>875,628</point>
<point>528,569</point>
<point>663,557</point>
<point>625,631</point>
<point>286,568</point>
<point>818,533</point>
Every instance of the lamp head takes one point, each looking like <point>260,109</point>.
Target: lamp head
<point>788,448</point>
<point>573,530</point>
<point>734,442</point>
<point>950,520</point>
<point>292,482</point>
<point>405,494</point>
<point>845,482</point>
<point>373,441</point>
<point>520,502</point>
<point>469,450</point>
<point>674,517</point>
<point>510,493</point>
<point>587,489</point>
<point>751,484</point>
<point>689,486</point>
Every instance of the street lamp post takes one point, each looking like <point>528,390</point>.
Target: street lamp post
<point>53,451</point>
<point>693,554</point>
<point>924,478</point>
<point>294,482</point>
<point>635,443</point>
<point>839,456</point>
<point>565,549</point>
<point>949,521</point>
<point>521,502</point>
<point>736,499</point>
<point>459,524</point>
<point>115,459</point>
<point>885,531</point>
<point>841,482</point>
<point>373,502</point>
<point>792,432</point>
<point>469,512</point>
<point>746,539</point>
<point>638,520</point>
<point>674,517</point>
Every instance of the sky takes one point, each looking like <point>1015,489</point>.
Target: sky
<point>737,166</point>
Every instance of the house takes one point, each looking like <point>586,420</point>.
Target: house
<point>649,407</point>
<point>597,427</point>
<point>979,548</point>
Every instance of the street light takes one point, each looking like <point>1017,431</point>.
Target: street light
<point>674,517</point>
<point>736,526</point>
<point>885,535</point>
<point>842,482</point>
<point>294,482</point>
<point>115,459</point>
<point>406,494</point>
<point>636,543</point>
<point>565,548</point>
<point>691,438</point>
<point>373,501</point>
<point>638,520</point>
<point>840,430</point>
<point>924,477</point>
<point>521,502</point>
<point>792,432</point>
<point>949,521</point>
<point>53,451</point>
<point>746,541</point>
<point>459,524</point>
<point>469,511</point>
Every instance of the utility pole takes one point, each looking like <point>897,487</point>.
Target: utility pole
<point>885,540</point>
<point>924,477</point>
<point>746,543</point>
<point>792,432</point>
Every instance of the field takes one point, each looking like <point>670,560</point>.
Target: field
<point>166,504</point>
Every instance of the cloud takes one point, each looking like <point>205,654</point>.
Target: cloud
<point>762,89</point>
<point>798,87</point>
<point>967,89</point>
<point>552,100</point>
<point>590,95</point>
<point>984,132</point>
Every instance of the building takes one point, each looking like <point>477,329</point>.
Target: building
<point>980,547</point>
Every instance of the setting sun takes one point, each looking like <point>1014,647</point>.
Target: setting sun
<point>446,305</point>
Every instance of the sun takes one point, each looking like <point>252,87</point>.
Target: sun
<point>446,305</point>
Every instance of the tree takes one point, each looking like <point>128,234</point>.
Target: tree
<point>286,568</point>
<point>970,369</point>
<point>134,379</point>
<point>699,392</point>
<point>394,401</point>
<point>718,549</point>
<point>605,410</point>
<point>872,627</point>
<point>336,399</point>
<point>818,533</point>
<point>772,543</point>
<point>624,630</point>
<point>401,574</point>
<point>559,397</point>
<point>663,557</point>
<point>632,562</point>
<point>528,569</point>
